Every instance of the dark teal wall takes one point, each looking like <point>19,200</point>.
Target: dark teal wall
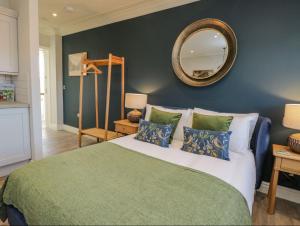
<point>265,76</point>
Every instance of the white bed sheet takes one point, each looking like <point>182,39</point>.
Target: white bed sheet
<point>239,171</point>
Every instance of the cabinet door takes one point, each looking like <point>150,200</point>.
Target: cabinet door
<point>8,44</point>
<point>14,136</point>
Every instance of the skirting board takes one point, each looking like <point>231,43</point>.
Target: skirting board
<point>282,192</point>
<point>74,130</point>
<point>56,127</point>
<point>70,129</point>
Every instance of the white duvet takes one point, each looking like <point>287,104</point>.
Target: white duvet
<point>239,171</point>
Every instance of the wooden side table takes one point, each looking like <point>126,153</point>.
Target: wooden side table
<point>126,127</point>
<point>285,161</point>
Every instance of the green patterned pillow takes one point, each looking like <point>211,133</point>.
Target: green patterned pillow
<point>211,122</point>
<point>165,118</point>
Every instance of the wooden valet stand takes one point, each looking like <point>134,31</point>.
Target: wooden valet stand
<point>92,65</point>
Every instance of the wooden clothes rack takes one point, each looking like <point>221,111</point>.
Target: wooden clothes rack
<point>88,65</point>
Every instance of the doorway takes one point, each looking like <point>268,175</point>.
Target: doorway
<point>44,85</point>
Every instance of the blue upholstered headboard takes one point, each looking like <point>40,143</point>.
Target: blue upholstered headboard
<point>259,144</point>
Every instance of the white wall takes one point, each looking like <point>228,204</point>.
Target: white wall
<point>27,82</point>
<point>5,3</point>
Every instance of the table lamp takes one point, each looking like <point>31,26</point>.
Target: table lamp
<point>292,120</point>
<point>135,101</point>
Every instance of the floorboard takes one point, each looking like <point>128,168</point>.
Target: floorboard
<point>287,213</point>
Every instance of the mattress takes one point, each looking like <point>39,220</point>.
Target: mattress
<point>239,172</point>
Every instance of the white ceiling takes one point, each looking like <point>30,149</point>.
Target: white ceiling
<point>86,14</point>
<point>82,9</point>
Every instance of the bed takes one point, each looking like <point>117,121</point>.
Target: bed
<point>126,181</point>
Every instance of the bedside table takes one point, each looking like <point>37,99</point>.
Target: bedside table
<point>285,161</point>
<point>126,127</point>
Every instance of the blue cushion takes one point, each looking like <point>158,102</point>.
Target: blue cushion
<point>206,142</point>
<point>154,133</point>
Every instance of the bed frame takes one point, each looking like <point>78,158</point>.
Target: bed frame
<point>259,144</point>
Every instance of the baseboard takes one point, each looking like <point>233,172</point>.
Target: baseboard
<point>70,129</point>
<point>74,130</point>
<point>55,126</point>
<point>282,192</point>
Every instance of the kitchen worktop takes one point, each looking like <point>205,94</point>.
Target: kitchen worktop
<point>4,105</point>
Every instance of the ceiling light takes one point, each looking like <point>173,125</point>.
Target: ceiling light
<point>192,51</point>
<point>54,14</point>
<point>215,36</point>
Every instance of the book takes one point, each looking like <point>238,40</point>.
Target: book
<point>283,152</point>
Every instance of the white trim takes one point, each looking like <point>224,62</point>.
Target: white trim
<point>28,82</point>
<point>70,129</point>
<point>48,112</point>
<point>59,79</point>
<point>55,126</point>
<point>143,8</point>
<point>8,12</point>
<point>74,130</point>
<point>34,77</point>
<point>282,192</point>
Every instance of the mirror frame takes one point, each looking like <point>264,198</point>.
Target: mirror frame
<point>209,23</point>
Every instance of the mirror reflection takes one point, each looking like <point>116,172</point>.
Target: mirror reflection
<point>203,53</point>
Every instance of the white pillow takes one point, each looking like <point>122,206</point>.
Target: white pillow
<point>242,127</point>
<point>186,115</point>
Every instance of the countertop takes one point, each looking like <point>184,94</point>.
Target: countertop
<point>4,105</point>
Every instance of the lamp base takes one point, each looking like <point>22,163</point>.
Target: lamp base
<point>294,142</point>
<point>134,116</point>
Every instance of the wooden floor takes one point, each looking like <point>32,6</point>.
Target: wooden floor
<point>287,213</point>
<point>55,142</point>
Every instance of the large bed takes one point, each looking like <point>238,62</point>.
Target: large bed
<point>126,181</point>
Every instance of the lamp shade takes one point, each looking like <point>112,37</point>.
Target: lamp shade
<point>292,116</point>
<point>135,100</point>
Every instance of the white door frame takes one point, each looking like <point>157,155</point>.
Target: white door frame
<point>55,79</point>
<point>28,46</point>
<point>48,112</point>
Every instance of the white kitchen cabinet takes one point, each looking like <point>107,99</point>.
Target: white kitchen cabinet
<point>14,136</point>
<point>9,63</point>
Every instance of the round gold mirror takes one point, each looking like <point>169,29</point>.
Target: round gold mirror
<point>204,52</point>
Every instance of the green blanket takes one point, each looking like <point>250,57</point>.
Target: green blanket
<point>110,185</point>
